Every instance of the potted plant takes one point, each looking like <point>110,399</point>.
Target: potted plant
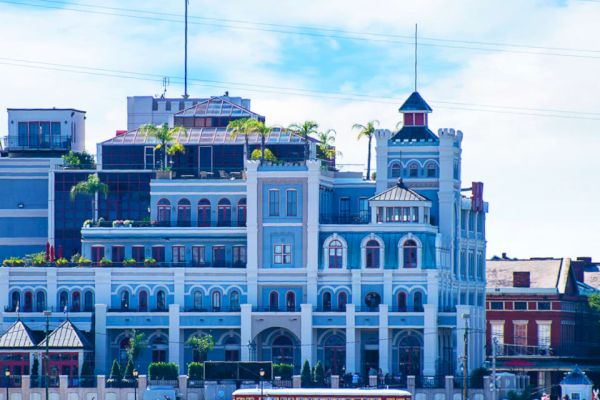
<point>101,222</point>
<point>87,223</point>
<point>150,262</point>
<point>13,262</point>
<point>129,262</point>
<point>128,223</point>
<point>105,262</point>
<point>61,262</point>
<point>84,262</point>
<point>117,223</point>
<point>38,259</point>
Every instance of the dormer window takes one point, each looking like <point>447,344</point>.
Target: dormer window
<point>415,119</point>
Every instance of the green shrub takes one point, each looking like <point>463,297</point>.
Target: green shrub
<point>269,156</point>
<point>105,262</point>
<point>75,258</point>
<point>128,262</point>
<point>162,371</point>
<point>82,261</point>
<point>81,160</point>
<point>284,371</point>
<point>38,259</point>
<point>196,371</point>
<point>305,375</point>
<point>150,262</point>
<point>319,375</point>
<point>13,262</point>
<point>61,262</point>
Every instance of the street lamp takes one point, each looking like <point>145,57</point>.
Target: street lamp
<point>135,374</point>
<point>7,375</point>
<point>262,376</point>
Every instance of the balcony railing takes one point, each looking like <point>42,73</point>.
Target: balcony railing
<point>330,309</point>
<point>120,264</point>
<point>170,224</point>
<point>345,219</point>
<point>166,309</point>
<point>14,143</point>
<point>273,308</point>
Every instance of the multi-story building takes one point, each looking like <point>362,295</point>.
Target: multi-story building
<point>538,316</point>
<point>286,261</point>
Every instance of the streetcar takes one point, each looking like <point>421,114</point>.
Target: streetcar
<point>321,394</point>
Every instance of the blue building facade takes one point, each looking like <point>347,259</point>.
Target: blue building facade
<point>287,261</point>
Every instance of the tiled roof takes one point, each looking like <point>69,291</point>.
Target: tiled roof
<point>17,336</point>
<point>208,136</point>
<point>415,103</point>
<point>217,107</point>
<point>543,273</point>
<point>416,134</point>
<point>399,192</point>
<point>66,336</point>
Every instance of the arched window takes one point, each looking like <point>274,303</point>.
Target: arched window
<point>197,300</point>
<point>290,301</point>
<point>163,212</point>
<point>161,300</point>
<point>76,301</point>
<point>418,302</point>
<point>159,348</point>
<point>124,300</point>
<point>372,301</point>
<point>234,300</point>
<point>342,301</point>
<point>143,300</point>
<point>431,170</point>
<point>282,350</point>
<point>335,254</point>
<point>326,301</point>
<point>224,212</point>
<point>274,301</point>
<point>204,212</point>
<point>396,170</point>
<point>28,301</point>
<point>409,249</point>
<point>63,300</point>
<point>241,210</point>
<point>40,301</point>
<point>372,254</point>
<point>184,212</point>
<point>413,170</point>
<point>88,301</point>
<point>15,298</point>
<point>402,302</point>
<point>216,301</point>
<point>123,347</point>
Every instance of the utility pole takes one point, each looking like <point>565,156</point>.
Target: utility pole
<point>466,362</point>
<point>185,93</point>
<point>47,314</point>
<point>493,383</point>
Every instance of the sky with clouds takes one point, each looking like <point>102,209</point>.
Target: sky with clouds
<point>519,78</point>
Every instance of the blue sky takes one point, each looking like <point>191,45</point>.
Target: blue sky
<point>528,106</point>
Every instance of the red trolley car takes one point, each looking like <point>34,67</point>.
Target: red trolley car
<point>321,394</point>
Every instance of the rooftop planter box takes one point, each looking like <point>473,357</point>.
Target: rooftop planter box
<point>161,174</point>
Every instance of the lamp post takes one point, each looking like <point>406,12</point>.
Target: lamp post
<point>466,363</point>
<point>7,375</point>
<point>47,314</point>
<point>262,377</point>
<point>135,374</point>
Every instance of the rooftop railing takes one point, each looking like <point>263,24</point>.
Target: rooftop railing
<point>345,219</point>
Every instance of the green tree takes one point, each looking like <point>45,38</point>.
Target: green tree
<point>319,374</point>
<point>128,373</point>
<point>115,372</point>
<point>367,131</point>
<point>135,346</point>
<point>201,344</point>
<point>167,138</point>
<point>262,131</point>
<point>326,144</point>
<point>90,187</point>
<point>241,126</point>
<point>305,130</point>
<point>306,375</point>
<point>594,302</point>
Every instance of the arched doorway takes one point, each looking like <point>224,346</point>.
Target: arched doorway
<point>409,353</point>
<point>334,354</point>
<point>282,350</point>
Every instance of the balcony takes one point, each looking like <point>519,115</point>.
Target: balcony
<point>167,224</point>
<point>274,308</point>
<point>15,143</point>
<point>345,219</point>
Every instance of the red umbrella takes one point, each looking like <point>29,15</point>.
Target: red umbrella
<point>59,251</point>
<point>47,250</point>
<point>51,253</point>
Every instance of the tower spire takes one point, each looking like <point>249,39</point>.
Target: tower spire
<point>415,57</point>
<point>185,94</point>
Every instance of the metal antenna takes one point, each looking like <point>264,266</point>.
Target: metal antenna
<point>185,94</point>
<point>415,57</point>
<point>165,83</point>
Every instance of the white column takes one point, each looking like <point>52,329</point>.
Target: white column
<point>430,341</point>
<point>100,339</point>
<point>351,364</point>
<point>384,339</point>
<point>388,295</point>
<point>252,224</point>
<point>51,288</point>
<point>4,286</point>
<point>381,151</point>
<point>179,286</point>
<point>356,287</point>
<point>102,286</point>
<point>175,337</point>
<point>246,333</point>
<point>312,230</point>
<point>306,334</point>
<point>53,164</point>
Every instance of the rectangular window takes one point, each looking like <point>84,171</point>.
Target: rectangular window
<point>497,305</point>
<point>292,203</point>
<point>520,333</point>
<point>344,205</point>
<point>218,256</point>
<point>544,334</point>
<point>97,253</point>
<point>497,331</point>
<point>138,253</point>
<point>520,305</point>
<point>543,305</point>
<point>282,254</point>
<point>178,254</point>
<point>363,209</point>
<point>239,256</point>
<point>521,279</point>
<point>273,203</point>
<point>419,119</point>
<point>158,253</point>
<point>118,253</point>
<point>409,119</point>
<point>198,255</point>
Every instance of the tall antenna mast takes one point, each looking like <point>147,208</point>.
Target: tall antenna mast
<point>185,94</point>
<point>415,57</point>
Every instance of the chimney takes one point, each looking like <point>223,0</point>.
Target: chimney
<point>504,256</point>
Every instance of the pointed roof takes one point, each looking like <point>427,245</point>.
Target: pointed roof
<point>217,107</point>
<point>66,335</point>
<point>17,336</point>
<point>415,103</point>
<point>576,377</point>
<point>399,192</point>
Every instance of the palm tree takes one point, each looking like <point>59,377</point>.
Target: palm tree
<point>305,130</point>
<point>241,126</point>
<point>90,187</point>
<point>165,136</point>
<point>367,131</point>
<point>327,144</point>
<point>263,131</point>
